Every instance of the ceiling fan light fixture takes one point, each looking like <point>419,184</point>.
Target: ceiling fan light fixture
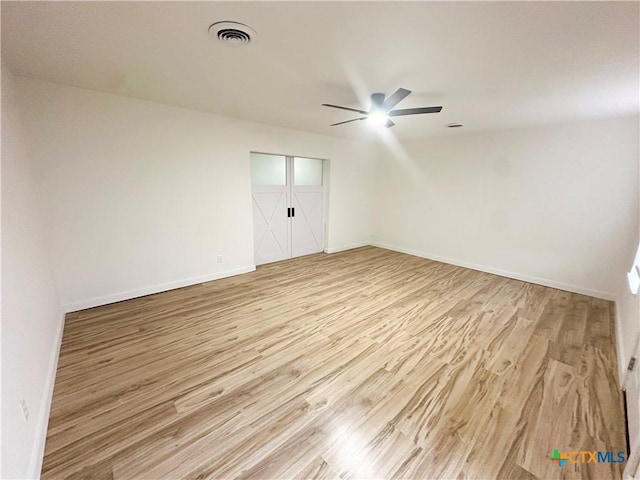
<point>378,118</point>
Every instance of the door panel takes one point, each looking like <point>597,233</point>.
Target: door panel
<point>268,169</point>
<point>631,330</point>
<point>307,171</point>
<point>632,388</point>
<point>270,224</point>
<point>307,225</point>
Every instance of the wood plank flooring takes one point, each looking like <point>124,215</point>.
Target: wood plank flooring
<point>361,364</point>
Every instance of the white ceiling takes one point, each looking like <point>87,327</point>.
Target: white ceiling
<point>492,65</point>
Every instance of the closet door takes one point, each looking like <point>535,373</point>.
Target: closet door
<point>632,389</point>
<point>307,225</point>
<point>271,201</point>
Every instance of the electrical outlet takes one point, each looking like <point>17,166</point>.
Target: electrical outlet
<point>219,258</point>
<point>25,410</point>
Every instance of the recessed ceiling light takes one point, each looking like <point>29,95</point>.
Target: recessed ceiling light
<point>454,125</point>
<point>234,34</point>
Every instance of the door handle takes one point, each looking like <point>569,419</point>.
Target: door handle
<point>293,211</point>
<point>288,212</point>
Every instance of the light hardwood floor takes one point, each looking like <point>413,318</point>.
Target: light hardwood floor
<point>361,364</point>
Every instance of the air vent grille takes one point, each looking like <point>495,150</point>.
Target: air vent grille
<point>232,33</point>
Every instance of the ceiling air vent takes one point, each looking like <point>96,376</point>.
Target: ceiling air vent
<point>232,33</point>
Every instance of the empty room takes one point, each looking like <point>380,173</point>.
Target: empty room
<point>290,240</point>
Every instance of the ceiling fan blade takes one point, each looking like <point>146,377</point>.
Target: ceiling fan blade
<point>396,98</point>
<point>346,108</point>
<point>348,121</point>
<point>413,111</point>
<point>389,123</point>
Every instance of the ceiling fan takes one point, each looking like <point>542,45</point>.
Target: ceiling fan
<point>381,109</point>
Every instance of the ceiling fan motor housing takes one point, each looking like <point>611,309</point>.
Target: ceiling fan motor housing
<point>377,101</point>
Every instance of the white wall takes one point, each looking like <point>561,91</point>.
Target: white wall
<point>140,197</point>
<point>32,318</point>
<point>556,205</point>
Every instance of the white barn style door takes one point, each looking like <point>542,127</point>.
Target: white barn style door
<point>288,206</point>
<point>271,227</point>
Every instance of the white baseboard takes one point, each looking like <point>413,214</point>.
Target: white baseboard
<point>342,248</point>
<point>503,273</point>
<point>141,292</point>
<point>37,455</point>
